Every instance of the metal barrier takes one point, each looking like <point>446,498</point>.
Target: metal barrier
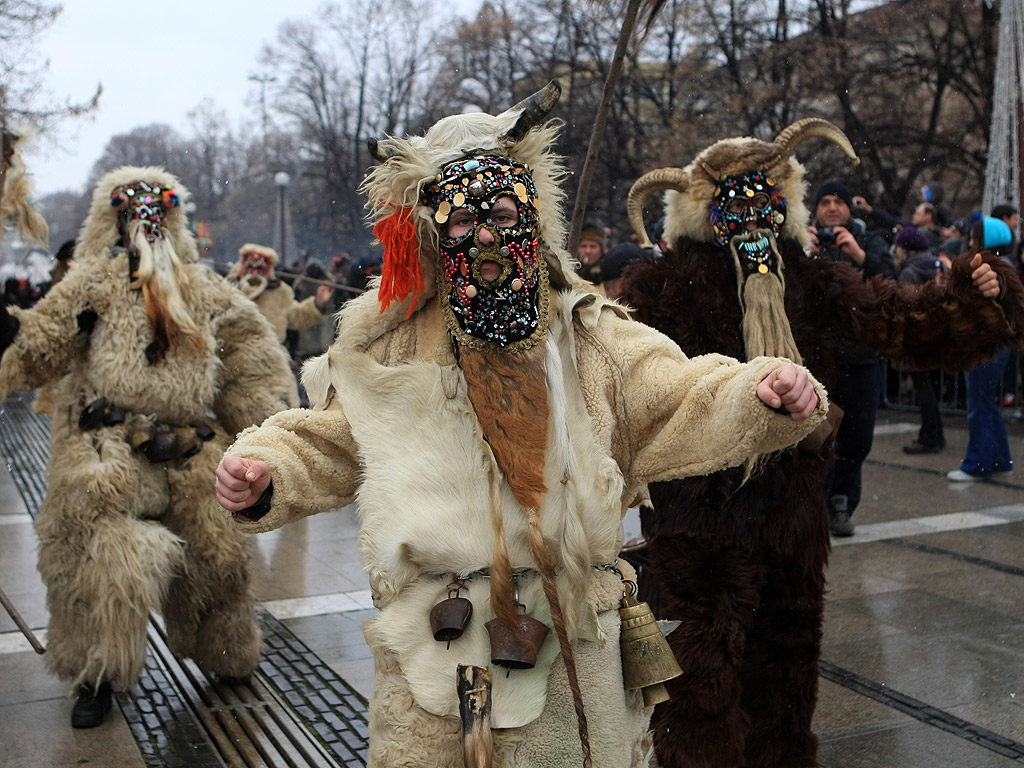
<point>898,390</point>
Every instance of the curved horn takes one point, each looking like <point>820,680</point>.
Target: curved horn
<point>814,128</point>
<point>379,150</point>
<point>531,111</point>
<point>647,185</point>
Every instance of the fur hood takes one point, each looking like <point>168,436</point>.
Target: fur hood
<point>408,164</point>
<point>691,190</point>
<point>99,233</point>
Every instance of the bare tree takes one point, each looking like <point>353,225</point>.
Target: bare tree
<point>23,100</point>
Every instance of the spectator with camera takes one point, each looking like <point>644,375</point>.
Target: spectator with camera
<point>837,235</point>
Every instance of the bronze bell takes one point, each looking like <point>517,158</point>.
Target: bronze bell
<point>508,650</point>
<point>647,659</point>
<point>448,619</point>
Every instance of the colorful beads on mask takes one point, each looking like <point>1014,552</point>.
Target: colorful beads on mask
<point>141,200</point>
<point>739,200</point>
<point>475,183</point>
<point>508,310</point>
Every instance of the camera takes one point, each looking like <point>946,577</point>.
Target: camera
<point>826,237</point>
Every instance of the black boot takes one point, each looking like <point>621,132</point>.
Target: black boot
<point>839,523</point>
<point>92,706</point>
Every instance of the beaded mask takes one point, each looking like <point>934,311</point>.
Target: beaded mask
<point>144,204</point>
<point>740,200</point>
<point>494,294</point>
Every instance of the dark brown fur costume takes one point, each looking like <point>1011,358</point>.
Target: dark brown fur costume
<point>742,565</point>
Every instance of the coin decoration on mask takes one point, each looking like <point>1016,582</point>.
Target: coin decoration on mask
<point>508,311</point>
<point>142,201</point>
<point>740,201</point>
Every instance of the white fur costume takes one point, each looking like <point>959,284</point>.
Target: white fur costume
<point>120,535</point>
<point>393,428</point>
<point>274,299</point>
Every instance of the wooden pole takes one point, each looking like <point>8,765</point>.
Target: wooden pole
<point>474,688</point>
<point>20,622</point>
<point>600,121</point>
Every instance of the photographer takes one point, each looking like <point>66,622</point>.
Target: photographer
<point>838,236</point>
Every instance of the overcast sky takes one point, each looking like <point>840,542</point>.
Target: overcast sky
<point>156,62</point>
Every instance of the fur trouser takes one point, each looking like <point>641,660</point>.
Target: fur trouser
<point>748,645</point>
<point>403,735</point>
<point>120,537</point>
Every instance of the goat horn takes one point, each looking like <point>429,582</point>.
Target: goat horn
<point>647,185</point>
<point>814,128</point>
<point>531,111</point>
<point>379,150</point>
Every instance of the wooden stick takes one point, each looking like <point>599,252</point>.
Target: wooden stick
<point>474,687</point>
<point>33,641</point>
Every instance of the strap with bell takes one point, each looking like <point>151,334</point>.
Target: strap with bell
<point>516,647</point>
<point>647,658</point>
<point>448,619</point>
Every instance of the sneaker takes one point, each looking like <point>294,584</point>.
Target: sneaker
<point>1009,400</point>
<point>916,447</point>
<point>840,525</point>
<point>92,706</point>
<point>959,476</point>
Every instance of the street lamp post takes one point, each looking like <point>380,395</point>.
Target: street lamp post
<point>281,181</point>
<point>263,80</point>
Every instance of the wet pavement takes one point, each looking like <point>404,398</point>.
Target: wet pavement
<point>922,662</point>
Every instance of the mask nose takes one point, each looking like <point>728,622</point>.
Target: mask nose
<point>485,236</point>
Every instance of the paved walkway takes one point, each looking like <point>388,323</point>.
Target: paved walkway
<point>923,658</point>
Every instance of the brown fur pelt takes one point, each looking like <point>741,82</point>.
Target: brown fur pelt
<point>16,194</point>
<point>740,560</point>
<point>951,327</point>
<point>509,395</point>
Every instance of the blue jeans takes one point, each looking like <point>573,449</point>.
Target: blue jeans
<point>987,449</point>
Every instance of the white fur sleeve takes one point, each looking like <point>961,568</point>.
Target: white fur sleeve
<point>690,416</point>
<point>313,463</point>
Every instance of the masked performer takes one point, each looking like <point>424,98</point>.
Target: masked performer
<point>165,363</point>
<point>255,274</point>
<point>739,559</point>
<point>495,418</point>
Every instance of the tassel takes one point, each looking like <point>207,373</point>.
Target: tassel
<point>401,273</point>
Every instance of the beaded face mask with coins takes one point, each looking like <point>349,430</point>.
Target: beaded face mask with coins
<point>145,204</point>
<point>740,201</point>
<point>494,294</point>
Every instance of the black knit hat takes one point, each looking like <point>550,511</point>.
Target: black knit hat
<point>614,263</point>
<point>835,187</point>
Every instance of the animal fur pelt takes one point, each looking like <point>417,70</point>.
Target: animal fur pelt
<point>119,535</point>
<point>16,200</point>
<point>740,560</point>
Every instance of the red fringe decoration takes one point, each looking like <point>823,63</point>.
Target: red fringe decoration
<point>401,273</point>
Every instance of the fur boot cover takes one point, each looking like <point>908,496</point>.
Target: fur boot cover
<point>120,535</point>
<point>741,562</point>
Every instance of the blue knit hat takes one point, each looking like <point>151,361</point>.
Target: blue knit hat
<point>997,233</point>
